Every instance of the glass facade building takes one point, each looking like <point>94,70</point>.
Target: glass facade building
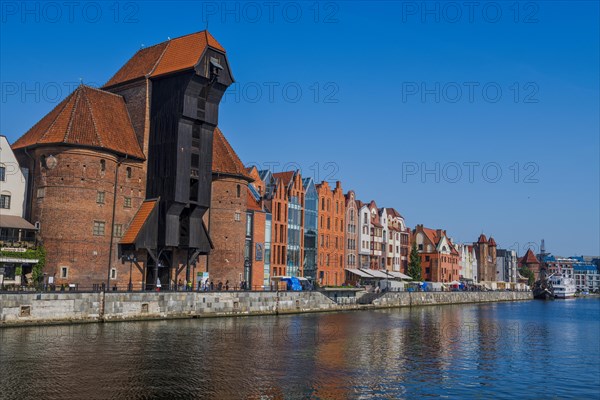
<point>267,258</point>
<point>294,240</point>
<point>311,219</point>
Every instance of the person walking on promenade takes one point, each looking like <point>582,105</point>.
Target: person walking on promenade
<point>227,284</point>
<point>220,286</point>
<point>189,286</point>
<point>212,286</point>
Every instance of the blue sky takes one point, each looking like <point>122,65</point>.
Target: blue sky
<point>499,102</point>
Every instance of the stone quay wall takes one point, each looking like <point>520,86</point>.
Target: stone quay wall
<point>49,308</point>
<point>408,299</point>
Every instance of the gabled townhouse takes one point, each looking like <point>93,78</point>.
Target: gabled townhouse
<point>284,197</point>
<point>257,249</point>
<point>377,260</point>
<point>332,206</point>
<point>311,228</point>
<point>351,235</point>
<point>396,246</point>
<point>467,262</point>
<point>364,236</point>
<point>439,257</point>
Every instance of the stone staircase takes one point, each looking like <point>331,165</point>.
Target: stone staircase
<point>368,298</point>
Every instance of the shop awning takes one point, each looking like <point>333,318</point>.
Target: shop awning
<point>376,273</point>
<point>12,221</point>
<point>359,273</point>
<point>399,275</point>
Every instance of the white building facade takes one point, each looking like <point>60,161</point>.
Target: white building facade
<point>468,262</point>
<point>13,182</point>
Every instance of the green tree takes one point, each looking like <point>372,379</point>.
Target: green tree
<point>414,263</point>
<point>527,273</point>
<point>37,271</point>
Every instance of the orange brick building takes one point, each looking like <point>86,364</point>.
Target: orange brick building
<point>332,212</point>
<point>439,258</point>
<point>284,199</point>
<point>257,249</point>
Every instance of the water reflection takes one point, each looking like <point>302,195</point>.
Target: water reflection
<point>501,350</point>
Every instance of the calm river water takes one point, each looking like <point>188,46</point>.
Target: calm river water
<point>529,350</point>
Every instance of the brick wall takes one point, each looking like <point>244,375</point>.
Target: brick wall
<point>332,210</point>
<point>66,202</point>
<point>227,227</point>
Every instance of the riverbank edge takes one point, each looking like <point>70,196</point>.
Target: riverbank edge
<point>42,309</point>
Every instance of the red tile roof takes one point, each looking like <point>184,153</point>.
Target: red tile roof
<point>482,239</point>
<point>225,160</point>
<point>252,203</point>
<point>431,235</point>
<point>284,177</point>
<point>138,222</point>
<point>88,117</point>
<point>492,242</point>
<point>529,258</point>
<point>167,57</point>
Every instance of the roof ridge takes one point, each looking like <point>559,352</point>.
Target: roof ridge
<point>149,74</point>
<point>98,136</point>
<point>64,102</point>
<point>100,90</point>
<point>68,130</point>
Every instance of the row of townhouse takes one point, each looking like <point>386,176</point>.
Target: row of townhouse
<point>314,230</point>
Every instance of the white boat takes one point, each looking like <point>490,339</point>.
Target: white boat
<point>563,287</point>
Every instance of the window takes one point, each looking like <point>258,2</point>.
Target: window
<point>41,192</point>
<point>127,203</point>
<point>237,216</point>
<point>98,228</point>
<point>2,174</point>
<point>113,273</point>
<point>238,191</point>
<point>248,224</point>
<point>99,197</point>
<point>5,201</point>
<point>420,247</point>
<point>64,272</point>
<point>102,165</point>
<point>118,230</point>
<point>128,172</point>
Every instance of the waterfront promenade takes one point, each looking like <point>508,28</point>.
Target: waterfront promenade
<point>49,308</point>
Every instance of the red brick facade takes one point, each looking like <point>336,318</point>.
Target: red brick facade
<point>72,196</point>
<point>439,258</point>
<point>332,210</point>
<point>228,228</point>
